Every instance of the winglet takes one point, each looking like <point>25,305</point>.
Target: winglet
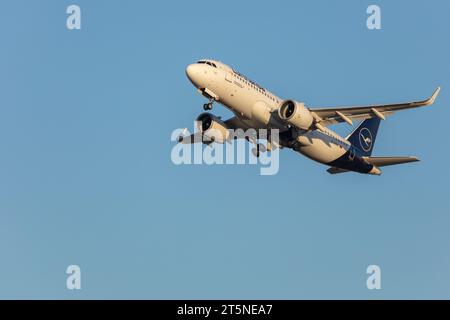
<point>431,100</point>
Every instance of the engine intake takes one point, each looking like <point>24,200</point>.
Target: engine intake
<point>296,114</point>
<point>212,128</point>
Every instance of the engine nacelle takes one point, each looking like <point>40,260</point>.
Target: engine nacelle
<point>296,114</point>
<point>212,128</point>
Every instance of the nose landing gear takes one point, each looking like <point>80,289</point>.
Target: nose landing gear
<point>209,105</point>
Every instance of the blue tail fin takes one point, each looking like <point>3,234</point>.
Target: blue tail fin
<point>363,138</point>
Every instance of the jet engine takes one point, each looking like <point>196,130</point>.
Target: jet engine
<point>211,127</point>
<point>296,114</point>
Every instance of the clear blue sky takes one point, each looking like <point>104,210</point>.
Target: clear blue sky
<point>85,169</point>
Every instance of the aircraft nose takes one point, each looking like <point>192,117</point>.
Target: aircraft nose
<point>192,73</point>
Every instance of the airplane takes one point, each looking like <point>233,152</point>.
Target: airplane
<point>301,128</point>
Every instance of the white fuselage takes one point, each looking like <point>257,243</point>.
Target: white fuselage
<point>255,106</point>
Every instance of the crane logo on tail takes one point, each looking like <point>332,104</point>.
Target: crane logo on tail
<point>365,139</point>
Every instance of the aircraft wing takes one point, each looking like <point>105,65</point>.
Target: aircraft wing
<point>193,138</point>
<point>232,123</point>
<point>235,123</point>
<point>327,116</point>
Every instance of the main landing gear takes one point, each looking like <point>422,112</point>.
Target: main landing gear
<point>209,105</point>
<point>258,150</point>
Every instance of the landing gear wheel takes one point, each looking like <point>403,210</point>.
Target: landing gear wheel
<point>260,148</point>
<point>207,106</point>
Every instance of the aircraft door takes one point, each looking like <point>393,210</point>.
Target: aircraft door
<point>228,76</point>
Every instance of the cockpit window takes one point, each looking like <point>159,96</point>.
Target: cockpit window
<point>208,63</point>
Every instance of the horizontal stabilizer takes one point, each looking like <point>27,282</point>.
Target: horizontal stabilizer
<point>389,161</point>
<point>334,170</point>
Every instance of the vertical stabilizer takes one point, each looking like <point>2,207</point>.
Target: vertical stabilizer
<point>363,138</point>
